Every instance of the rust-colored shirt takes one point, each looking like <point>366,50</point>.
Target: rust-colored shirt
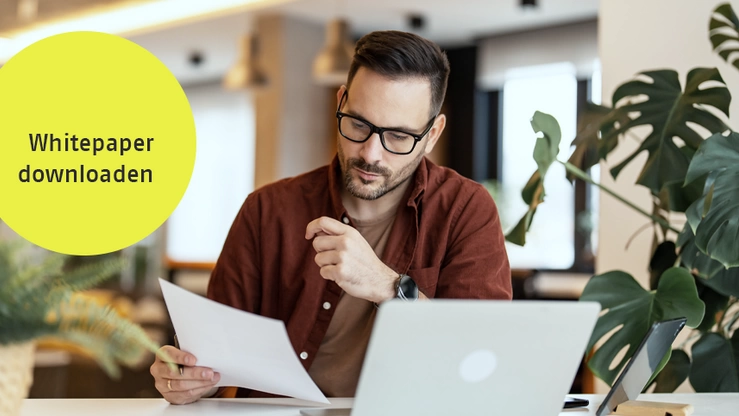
<point>446,236</point>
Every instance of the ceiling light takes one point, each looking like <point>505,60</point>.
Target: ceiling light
<point>416,21</point>
<point>331,66</point>
<point>27,10</point>
<point>246,73</point>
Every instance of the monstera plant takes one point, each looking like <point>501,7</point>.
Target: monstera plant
<point>694,270</point>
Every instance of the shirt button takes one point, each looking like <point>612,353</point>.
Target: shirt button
<point>326,305</point>
<point>345,219</point>
<point>303,355</point>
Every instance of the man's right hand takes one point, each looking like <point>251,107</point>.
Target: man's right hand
<point>191,385</point>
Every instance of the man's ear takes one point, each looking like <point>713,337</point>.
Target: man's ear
<point>339,94</point>
<point>435,132</point>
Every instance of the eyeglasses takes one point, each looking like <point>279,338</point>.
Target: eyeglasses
<point>393,140</point>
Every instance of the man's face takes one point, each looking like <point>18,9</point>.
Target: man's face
<point>368,169</point>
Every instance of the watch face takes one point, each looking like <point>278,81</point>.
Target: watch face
<point>407,288</point>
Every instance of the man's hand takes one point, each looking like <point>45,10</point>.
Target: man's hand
<point>345,257</point>
<point>191,385</point>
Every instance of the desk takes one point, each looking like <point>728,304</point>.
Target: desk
<point>718,404</point>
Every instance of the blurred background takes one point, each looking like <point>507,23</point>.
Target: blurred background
<point>261,78</point>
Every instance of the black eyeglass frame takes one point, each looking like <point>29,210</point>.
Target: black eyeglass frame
<point>380,130</point>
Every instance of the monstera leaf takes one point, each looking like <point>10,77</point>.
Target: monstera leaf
<point>664,257</point>
<point>716,304</point>
<point>674,373</point>
<point>545,153</point>
<point>714,218</point>
<point>715,363</point>
<point>587,142</point>
<point>723,31</point>
<point>678,198</point>
<point>631,310</point>
<point>712,273</point>
<point>668,110</point>
<point>698,262</point>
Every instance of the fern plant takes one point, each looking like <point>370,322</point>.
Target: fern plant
<point>40,299</point>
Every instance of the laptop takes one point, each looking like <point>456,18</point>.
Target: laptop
<point>640,369</point>
<point>471,357</point>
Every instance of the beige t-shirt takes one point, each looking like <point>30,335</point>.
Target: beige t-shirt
<point>339,359</point>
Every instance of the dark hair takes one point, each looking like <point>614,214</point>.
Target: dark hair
<point>398,55</point>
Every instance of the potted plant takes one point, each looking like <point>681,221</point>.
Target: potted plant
<point>39,300</point>
<point>694,270</point>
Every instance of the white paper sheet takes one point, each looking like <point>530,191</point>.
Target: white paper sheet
<point>248,350</point>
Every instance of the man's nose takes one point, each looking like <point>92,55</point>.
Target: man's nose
<point>372,149</point>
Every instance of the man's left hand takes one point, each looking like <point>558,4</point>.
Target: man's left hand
<point>345,257</point>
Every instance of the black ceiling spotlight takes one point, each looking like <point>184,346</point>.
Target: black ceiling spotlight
<point>416,21</point>
<point>196,58</point>
<point>528,4</point>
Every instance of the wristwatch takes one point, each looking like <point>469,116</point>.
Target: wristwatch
<point>406,288</point>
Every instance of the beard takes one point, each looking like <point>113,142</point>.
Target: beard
<point>386,182</point>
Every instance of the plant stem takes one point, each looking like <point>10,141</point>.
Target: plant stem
<point>584,176</point>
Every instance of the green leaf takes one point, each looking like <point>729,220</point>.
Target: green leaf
<point>664,257</point>
<point>725,282</point>
<point>37,280</point>
<point>679,196</point>
<point>545,153</point>
<point>715,364</point>
<point>107,336</point>
<point>696,261</point>
<point>714,218</point>
<point>39,300</point>
<point>617,118</point>
<point>724,21</point>
<point>10,261</point>
<point>710,272</point>
<point>96,347</point>
<point>715,305</point>
<point>674,373</point>
<point>90,275</point>
<point>587,142</point>
<point>660,366</point>
<point>631,310</point>
<point>533,195</point>
<point>668,110</point>
<point>547,145</point>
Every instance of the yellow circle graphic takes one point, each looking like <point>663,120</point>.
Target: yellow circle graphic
<point>97,143</point>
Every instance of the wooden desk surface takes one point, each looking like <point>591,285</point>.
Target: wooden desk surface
<point>714,404</point>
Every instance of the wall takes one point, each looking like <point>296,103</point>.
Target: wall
<point>292,136</point>
<point>637,35</point>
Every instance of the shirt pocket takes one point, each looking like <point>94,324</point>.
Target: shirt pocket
<point>426,279</point>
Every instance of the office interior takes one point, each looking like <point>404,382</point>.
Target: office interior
<point>509,58</point>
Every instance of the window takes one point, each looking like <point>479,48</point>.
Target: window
<point>222,178</point>
<point>551,89</point>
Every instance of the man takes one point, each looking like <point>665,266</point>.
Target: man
<point>321,250</point>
